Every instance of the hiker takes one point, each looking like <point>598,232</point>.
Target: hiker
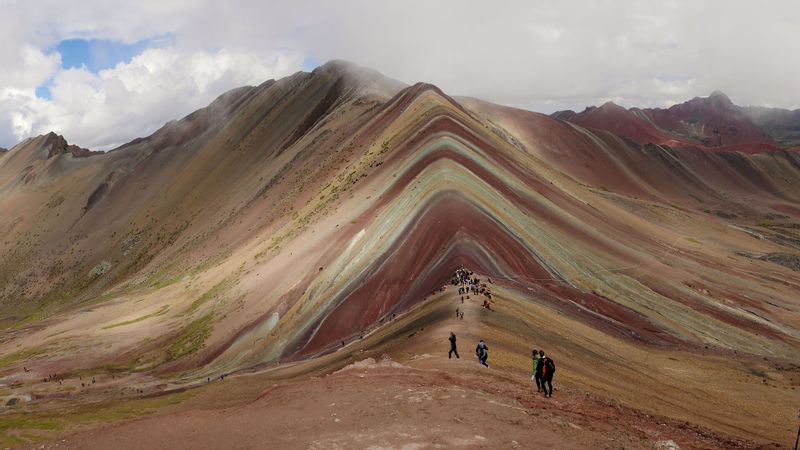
<point>548,369</point>
<point>539,363</point>
<point>453,349</point>
<point>482,351</point>
<point>462,315</point>
<point>457,312</point>
<point>535,374</point>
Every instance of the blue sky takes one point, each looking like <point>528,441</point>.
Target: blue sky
<point>95,55</point>
<point>310,63</point>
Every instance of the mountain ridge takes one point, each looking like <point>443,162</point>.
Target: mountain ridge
<point>291,228</point>
<point>712,122</point>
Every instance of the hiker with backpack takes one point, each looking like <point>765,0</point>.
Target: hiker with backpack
<point>548,368</point>
<point>482,351</point>
<point>536,375</point>
<point>453,349</point>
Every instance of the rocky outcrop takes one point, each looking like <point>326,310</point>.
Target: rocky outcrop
<point>55,144</point>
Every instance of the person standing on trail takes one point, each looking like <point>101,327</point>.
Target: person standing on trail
<point>536,375</point>
<point>548,368</point>
<point>482,351</point>
<point>453,349</point>
<point>538,368</point>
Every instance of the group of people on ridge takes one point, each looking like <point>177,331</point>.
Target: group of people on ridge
<point>542,367</point>
<point>470,284</point>
<point>481,351</point>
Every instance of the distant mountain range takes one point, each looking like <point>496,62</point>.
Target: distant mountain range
<point>712,122</point>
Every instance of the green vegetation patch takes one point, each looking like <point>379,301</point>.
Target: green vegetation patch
<point>116,368</point>
<point>101,268</point>
<point>191,338</point>
<point>160,312</point>
<point>82,414</point>
<point>215,292</point>
<point>21,355</point>
<point>164,281</point>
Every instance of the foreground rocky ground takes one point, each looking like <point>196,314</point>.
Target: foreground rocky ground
<point>396,388</point>
<point>429,403</point>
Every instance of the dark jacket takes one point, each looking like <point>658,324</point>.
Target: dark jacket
<point>548,367</point>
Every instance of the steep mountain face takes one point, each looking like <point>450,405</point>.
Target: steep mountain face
<point>618,120</point>
<point>782,125</point>
<point>713,122</point>
<point>286,220</point>
<point>114,214</point>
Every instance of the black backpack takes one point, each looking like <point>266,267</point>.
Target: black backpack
<point>550,365</point>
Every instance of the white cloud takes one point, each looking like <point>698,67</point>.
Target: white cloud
<point>133,99</point>
<point>536,54</point>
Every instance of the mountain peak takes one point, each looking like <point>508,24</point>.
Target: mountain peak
<point>565,114</point>
<point>719,98</point>
<point>610,106</point>
<point>364,78</point>
<point>713,121</point>
<point>56,144</point>
<point>718,94</point>
<point>339,67</point>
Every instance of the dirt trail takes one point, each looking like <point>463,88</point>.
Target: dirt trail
<point>431,402</point>
<point>419,399</point>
